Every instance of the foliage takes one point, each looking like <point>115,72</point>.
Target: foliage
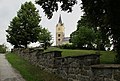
<point>101,41</point>
<point>105,15</point>
<point>3,48</point>
<point>45,38</point>
<point>24,28</point>
<point>49,6</point>
<point>82,37</point>
<point>30,72</point>
<point>67,46</point>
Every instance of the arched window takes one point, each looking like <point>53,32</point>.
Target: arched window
<point>58,39</point>
<point>58,35</point>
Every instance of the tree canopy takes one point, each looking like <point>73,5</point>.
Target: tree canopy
<point>50,6</point>
<point>24,28</point>
<point>82,37</point>
<point>45,38</point>
<point>105,15</point>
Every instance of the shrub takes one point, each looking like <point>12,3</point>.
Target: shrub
<point>67,46</point>
<point>3,48</point>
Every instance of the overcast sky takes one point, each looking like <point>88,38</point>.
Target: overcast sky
<point>9,8</point>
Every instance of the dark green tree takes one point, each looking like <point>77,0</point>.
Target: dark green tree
<point>13,36</point>
<point>98,39</point>
<point>24,28</point>
<point>105,15</point>
<point>45,38</point>
<point>51,6</point>
<point>84,36</point>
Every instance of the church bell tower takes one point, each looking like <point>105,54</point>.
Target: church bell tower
<point>59,32</point>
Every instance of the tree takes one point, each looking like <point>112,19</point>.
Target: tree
<point>82,37</point>
<point>50,6</point>
<point>100,41</point>
<point>105,14</point>
<point>45,38</point>
<point>13,32</point>
<point>24,28</point>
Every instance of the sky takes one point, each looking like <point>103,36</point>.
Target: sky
<point>9,9</point>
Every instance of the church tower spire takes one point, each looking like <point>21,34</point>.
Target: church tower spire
<point>60,20</point>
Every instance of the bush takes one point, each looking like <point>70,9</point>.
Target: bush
<point>3,48</point>
<point>72,46</point>
<point>67,46</point>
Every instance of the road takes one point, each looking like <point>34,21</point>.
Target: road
<point>7,73</point>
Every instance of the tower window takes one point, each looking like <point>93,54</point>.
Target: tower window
<point>58,35</point>
<point>58,39</point>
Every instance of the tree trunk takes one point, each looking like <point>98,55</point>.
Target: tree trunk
<point>45,46</point>
<point>25,44</point>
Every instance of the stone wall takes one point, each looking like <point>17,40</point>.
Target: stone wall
<point>106,72</point>
<point>72,68</point>
<point>76,68</point>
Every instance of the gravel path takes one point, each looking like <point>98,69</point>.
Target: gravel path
<point>7,73</point>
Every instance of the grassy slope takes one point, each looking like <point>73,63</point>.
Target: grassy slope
<point>28,71</point>
<point>106,56</point>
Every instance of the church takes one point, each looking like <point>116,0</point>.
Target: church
<point>60,33</point>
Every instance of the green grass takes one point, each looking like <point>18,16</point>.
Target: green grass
<point>106,57</point>
<point>70,52</point>
<point>30,72</point>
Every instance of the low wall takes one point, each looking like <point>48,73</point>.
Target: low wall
<point>106,72</point>
<point>72,68</point>
<point>76,68</point>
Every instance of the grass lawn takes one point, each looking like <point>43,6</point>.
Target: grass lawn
<point>107,57</point>
<point>30,72</point>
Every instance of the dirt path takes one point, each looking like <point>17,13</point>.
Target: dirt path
<point>7,73</point>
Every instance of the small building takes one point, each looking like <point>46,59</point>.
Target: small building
<point>60,33</point>
<point>66,40</point>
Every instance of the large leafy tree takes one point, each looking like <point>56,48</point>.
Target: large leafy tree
<point>82,37</point>
<point>24,28</point>
<point>13,32</point>
<point>101,40</point>
<point>105,14</point>
<point>45,38</point>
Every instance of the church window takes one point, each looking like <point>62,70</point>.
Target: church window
<point>58,35</point>
<point>58,39</point>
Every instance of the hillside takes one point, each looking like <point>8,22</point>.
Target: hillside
<point>105,56</point>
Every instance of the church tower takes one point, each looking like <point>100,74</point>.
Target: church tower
<point>59,32</point>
